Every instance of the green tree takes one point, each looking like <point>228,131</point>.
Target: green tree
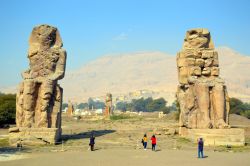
<point>236,106</point>
<point>246,114</point>
<point>7,109</point>
<point>99,105</point>
<point>157,105</point>
<point>138,105</point>
<point>82,105</point>
<point>121,106</point>
<point>91,103</point>
<point>64,105</point>
<point>95,104</point>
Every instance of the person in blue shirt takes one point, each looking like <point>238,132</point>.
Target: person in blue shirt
<point>200,148</point>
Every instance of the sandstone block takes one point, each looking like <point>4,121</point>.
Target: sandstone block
<point>195,71</point>
<point>216,137</point>
<point>183,75</point>
<point>199,62</point>
<point>207,54</point>
<point>206,71</point>
<point>215,71</point>
<point>208,62</point>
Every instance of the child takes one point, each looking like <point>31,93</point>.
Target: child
<point>145,141</point>
<point>153,139</point>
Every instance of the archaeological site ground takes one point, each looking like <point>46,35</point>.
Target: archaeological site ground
<point>113,83</point>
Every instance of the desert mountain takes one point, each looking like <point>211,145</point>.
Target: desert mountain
<point>155,71</point>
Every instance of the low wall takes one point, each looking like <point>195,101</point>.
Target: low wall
<point>34,136</point>
<point>215,137</point>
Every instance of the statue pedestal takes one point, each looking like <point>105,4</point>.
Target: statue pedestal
<point>215,137</point>
<point>34,136</point>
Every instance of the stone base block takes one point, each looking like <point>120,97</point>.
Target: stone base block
<point>215,137</point>
<point>34,136</point>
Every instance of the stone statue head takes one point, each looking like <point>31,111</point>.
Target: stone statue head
<point>45,36</point>
<point>198,38</point>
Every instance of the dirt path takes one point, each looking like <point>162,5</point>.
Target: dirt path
<point>115,157</point>
<point>117,142</point>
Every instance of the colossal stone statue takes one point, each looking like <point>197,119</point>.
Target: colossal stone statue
<point>201,93</point>
<point>108,105</point>
<point>39,97</point>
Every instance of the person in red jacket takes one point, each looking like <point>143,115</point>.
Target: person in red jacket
<point>153,139</point>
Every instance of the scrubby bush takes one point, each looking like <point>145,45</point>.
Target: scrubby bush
<point>246,114</point>
<point>7,109</point>
<point>239,107</point>
<point>119,117</point>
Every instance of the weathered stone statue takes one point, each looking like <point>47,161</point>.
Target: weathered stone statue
<point>108,105</point>
<point>70,110</point>
<point>39,97</point>
<point>201,93</point>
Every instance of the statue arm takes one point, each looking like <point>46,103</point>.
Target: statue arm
<point>60,66</point>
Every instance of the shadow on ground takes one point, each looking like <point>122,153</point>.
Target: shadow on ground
<point>84,135</point>
<point>12,150</point>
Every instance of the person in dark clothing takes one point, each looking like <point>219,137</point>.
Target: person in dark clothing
<point>153,139</point>
<point>200,148</point>
<point>92,142</point>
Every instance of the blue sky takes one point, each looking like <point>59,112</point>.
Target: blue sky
<point>91,28</point>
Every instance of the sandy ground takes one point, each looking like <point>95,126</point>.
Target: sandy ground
<point>132,158</point>
<point>118,143</point>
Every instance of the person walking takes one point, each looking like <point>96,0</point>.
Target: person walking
<point>153,140</point>
<point>145,141</point>
<point>200,148</point>
<point>92,142</point>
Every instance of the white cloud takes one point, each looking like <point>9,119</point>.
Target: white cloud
<point>121,36</point>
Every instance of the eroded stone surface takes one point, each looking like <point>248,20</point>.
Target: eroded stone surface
<point>108,105</point>
<point>215,137</point>
<point>39,97</point>
<point>201,93</point>
<point>70,110</point>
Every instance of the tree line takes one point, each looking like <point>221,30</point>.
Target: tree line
<point>8,107</point>
<point>239,107</point>
<point>146,105</point>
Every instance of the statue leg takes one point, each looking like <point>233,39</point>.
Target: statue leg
<point>46,93</point>
<point>203,101</point>
<point>219,102</point>
<point>29,102</point>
